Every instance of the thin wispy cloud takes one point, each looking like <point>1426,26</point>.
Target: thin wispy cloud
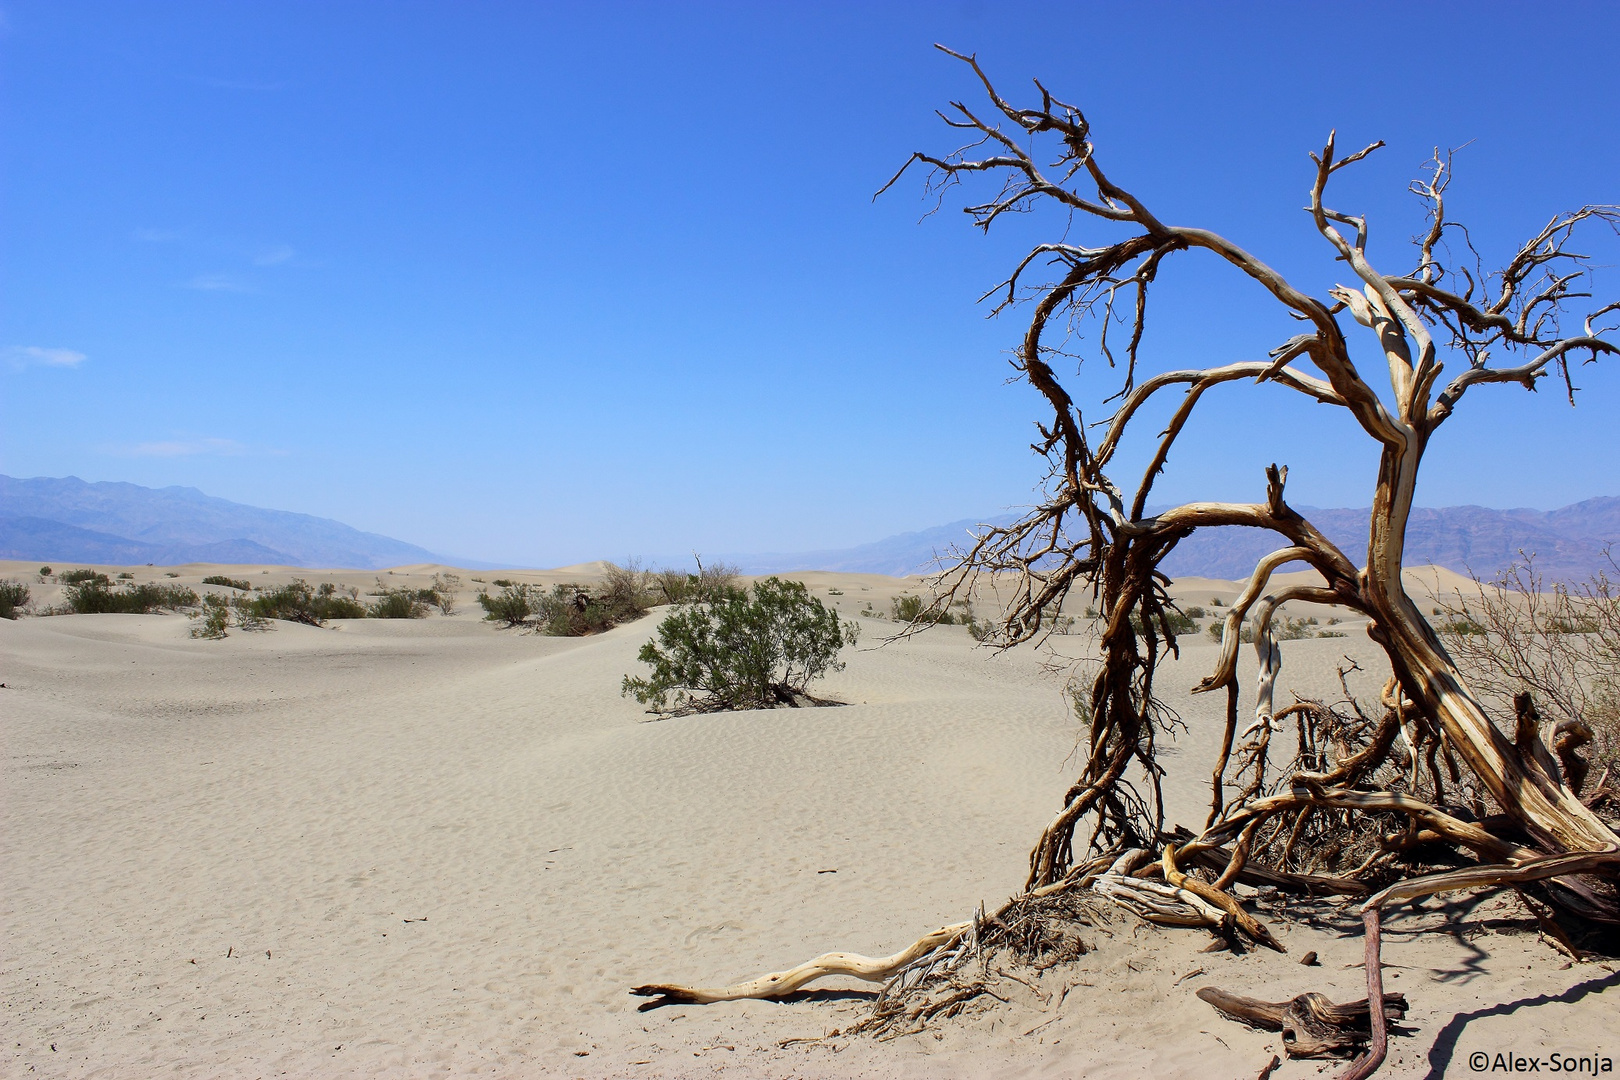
<point>24,356</point>
<point>183,448</point>
<point>274,256</point>
<point>218,283</point>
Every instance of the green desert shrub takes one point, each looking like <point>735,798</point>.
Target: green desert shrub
<point>513,605</point>
<point>683,587</point>
<point>228,582</point>
<point>442,594</point>
<point>909,609</point>
<point>1286,628</point>
<point>398,604</point>
<point>742,650</point>
<point>126,576</point>
<point>44,571</point>
<point>625,593</point>
<point>214,617</point>
<point>13,598</point>
<point>503,583</point>
<point>1178,623</point>
<point>79,577</point>
<point>93,597</point>
<point>298,601</point>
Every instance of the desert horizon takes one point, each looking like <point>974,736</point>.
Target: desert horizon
<point>389,847</point>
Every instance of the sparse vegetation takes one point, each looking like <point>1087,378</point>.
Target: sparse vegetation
<point>44,571</point>
<point>126,576</point>
<point>705,586</point>
<point>13,598</point>
<point>95,596</point>
<point>298,601</point>
<point>212,619</point>
<point>443,593</point>
<point>77,577</point>
<point>910,609</point>
<point>1561,643</point>
<point>742,650</point>
<point>398,604</point>
<point>569,610</point>
<point>512,606</point>
<point>1286,628</point>
<point>228,582</point>
<point>1196,612</point>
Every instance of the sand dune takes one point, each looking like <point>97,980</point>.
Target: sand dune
<point>434,847</point>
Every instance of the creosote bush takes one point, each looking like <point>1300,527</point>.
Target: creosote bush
<point>95,596</point>
<point>13,598</point>
<point>300,602</point>
<point>683,587</point>
<point>78,577</point>
<point>399,604</point>
<point>742,650</point>
<point>213,619</point>
<point>228,582</point>
<point>567,610</point>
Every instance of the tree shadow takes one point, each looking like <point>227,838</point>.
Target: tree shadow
<point>780,999</point>
<point>1445,1042</point>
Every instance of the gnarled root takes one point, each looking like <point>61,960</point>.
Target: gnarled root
<point>1311,1025</point>
<point>872,969</point>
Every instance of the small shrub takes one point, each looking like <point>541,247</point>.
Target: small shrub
<point>1196,612</point>
<point>13,598</point>
<point>97,598</point>
<point>835,592</point>
<point>503,583</point>
<point>78,577</point>
<point>44,571</point>
<point>228,582</point>
<point>398,604</point>
<point>742,650</point>
<point>298,602</point>
<point>513,605</point>
<point>126,576</point>
<point>211,621</point>
<point>705,586</point>
<point>1215,601</point>
<point>170,573</point>
<point>443,593</point>
<point>1177,623</point>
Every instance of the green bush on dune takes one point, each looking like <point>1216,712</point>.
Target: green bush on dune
<point>96,597</point>
<point>13,598</point>
<point>742,650</point>
<point>228,582</point>
<point>624,593</point>
<point>298,601</point>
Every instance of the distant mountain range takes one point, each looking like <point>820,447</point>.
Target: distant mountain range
<point>69,520</point>
<point>1568,543</point>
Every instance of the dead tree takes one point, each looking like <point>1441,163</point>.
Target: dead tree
<point>1091,533</point>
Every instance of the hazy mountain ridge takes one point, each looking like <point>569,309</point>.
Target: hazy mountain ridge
<point>67,519</point>
<point>1568,543</point>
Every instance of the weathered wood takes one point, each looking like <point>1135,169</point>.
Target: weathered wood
<point>1311,1024</point>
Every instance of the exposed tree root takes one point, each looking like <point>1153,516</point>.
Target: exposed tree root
<point>872,969</point>
<point>1312,1026</point>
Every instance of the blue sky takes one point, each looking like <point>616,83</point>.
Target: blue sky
<point>548,282</point>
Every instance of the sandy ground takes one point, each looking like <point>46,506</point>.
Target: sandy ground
<point>437,848</point>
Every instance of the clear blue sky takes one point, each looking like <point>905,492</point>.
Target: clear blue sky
<point>549,282</point>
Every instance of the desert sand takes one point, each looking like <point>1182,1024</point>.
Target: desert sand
<point>435,847</point>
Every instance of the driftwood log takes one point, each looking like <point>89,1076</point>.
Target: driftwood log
<point>1312,1026</point>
